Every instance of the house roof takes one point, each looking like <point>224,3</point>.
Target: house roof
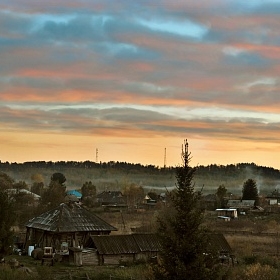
<point>70,217</point>
<point>111,197</point>
<point>126,244</point>
<point>23,191</point>
<point>137,243</point>
<point>75,193</point>
<point>241,203</point>
<point>219,243</point>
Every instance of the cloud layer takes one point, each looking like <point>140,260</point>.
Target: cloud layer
<point>123,71</point>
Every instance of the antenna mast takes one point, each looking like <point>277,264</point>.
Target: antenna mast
<point>164,165</point>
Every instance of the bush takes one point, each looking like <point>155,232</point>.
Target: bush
<point>260,272</point>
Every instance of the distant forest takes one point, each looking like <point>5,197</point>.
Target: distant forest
<point>115,175</point>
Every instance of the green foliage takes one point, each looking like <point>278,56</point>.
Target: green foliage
<point>185,251</point>
<point>250,190</point>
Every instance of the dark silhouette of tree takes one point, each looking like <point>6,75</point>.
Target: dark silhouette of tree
<point>7,219</point>
<point>250,190</point>
<point>59,178</point>
<point>185,252</point>
<point>38,188</point>
<point>6,182</point>
<point>134,194</point>
<point>20,185</point>
<point>221,193</point>
<point>55,193</point>
<point>88,194</point>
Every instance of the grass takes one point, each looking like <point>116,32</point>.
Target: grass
<point>61,271</point>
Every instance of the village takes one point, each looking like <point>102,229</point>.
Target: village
<point>71,233</point>
<point>84,229</point>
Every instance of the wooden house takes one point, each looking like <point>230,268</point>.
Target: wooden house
<point>112,201</point>
<point>70,225</point>
<point>118,249</point>
<point>241,205</point>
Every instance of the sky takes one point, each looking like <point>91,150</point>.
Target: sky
<point>128,81</point>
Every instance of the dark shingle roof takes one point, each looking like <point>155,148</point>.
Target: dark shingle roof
<point>219,243</point>
<point>69,218</point>
<point>136,243</point>
<point>126,244</point>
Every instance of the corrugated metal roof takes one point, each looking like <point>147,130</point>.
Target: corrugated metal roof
<point>70,217</point>
<point>126,244</point>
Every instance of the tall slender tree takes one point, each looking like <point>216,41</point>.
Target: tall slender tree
<point>250,191</point>
<point>185,252</point>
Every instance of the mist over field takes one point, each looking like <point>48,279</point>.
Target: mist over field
<point>116,175</point>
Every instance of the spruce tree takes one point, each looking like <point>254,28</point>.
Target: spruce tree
<point>250,191</point>
<point>185,252</point>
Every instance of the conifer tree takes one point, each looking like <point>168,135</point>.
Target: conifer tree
<point>250,191</point>
<point>185,252</point>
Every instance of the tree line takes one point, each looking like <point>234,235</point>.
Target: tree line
<point>214,170</point>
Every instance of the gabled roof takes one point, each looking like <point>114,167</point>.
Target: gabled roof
<point>70,217</point>
<point>241,203</point>
<point>111,197</point>
<point>126,244</point>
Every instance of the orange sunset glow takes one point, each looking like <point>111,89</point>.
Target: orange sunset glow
<point>133,79</point>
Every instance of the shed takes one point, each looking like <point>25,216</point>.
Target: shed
<point>116,249</point>
<point>69,223</point>
<point>228,212</point>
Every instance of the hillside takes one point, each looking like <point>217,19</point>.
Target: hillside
<point>115,175</point>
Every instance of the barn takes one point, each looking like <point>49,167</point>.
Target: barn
<point>68,225</point>
<point>117,249</point>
